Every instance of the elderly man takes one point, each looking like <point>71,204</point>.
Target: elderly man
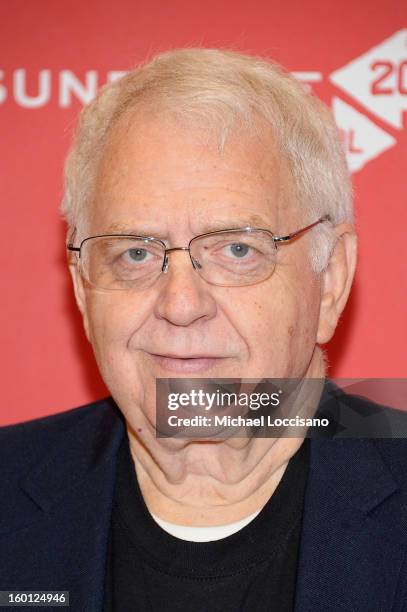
<point>210,236</point>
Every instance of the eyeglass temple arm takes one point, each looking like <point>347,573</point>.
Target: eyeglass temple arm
<point>300,231</point>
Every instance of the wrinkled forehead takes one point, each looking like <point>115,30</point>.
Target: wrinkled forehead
<point>157,174</point>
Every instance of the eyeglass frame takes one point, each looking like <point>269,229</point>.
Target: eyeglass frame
<point>195,264</point>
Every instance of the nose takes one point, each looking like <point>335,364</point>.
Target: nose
<point>184,297</point>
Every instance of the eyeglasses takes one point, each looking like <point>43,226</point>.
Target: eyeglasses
<point>229,258</point>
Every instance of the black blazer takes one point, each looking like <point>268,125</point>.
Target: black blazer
<point>56,489</point>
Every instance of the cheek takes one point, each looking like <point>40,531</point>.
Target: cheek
<point>280,325</point>
<point>112,322</point>
<point>108,322</point>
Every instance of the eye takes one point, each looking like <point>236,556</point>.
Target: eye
<point>237,249</point>
<point>136,255</point>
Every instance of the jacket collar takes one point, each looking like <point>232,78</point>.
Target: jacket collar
<point>77,455</point>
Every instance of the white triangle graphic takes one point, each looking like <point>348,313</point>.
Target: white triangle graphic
<point>362,138</point>
<point>378,79</point>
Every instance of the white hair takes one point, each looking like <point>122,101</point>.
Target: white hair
<point>223,89</point>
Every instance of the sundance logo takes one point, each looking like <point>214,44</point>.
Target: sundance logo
<point>36,90</point>
<point>376,82</point>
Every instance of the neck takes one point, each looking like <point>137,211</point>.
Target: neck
<point>198,483</point>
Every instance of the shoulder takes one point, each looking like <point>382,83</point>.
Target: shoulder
<point>24,444</point>
<point>364,437</point>
<point>355,416</point>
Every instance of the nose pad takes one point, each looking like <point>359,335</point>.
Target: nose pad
<point>195,263</point>
<point>165,265</point>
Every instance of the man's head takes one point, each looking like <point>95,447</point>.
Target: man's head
<point>196,141</point>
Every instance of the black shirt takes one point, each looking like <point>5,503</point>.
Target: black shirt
<point>251,570</point>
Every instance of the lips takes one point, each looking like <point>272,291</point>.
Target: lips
<point>173,356</point>
<point>186,364</point>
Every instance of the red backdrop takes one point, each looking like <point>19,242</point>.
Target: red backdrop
<point>54,54</point>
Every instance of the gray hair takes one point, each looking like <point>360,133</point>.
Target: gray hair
<point>223,88</point>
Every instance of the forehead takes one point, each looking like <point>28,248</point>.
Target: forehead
<point>158,173</point>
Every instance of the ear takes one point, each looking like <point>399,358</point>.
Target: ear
<point>80,296</point>
<point>336,281</point>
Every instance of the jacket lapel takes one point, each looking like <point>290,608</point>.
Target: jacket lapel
<point>353,539</point>
<point>59,541</point>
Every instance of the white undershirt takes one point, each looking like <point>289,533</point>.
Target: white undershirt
<point>203,534</point>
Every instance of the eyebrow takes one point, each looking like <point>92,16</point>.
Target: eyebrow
<point>253,220</point>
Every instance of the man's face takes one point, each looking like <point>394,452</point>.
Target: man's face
<point>160,179</point>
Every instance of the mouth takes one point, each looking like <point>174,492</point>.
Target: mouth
<point>185,365</point>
